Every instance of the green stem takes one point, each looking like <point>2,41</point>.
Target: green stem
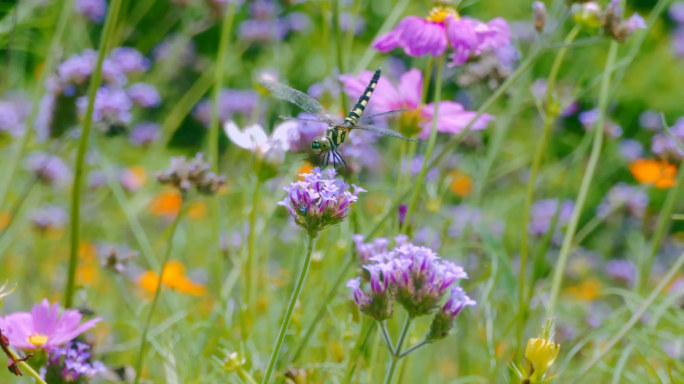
<point>388,339</point>
<point>413,348</point>
<point>549,117</point>
<point>397,355</point>
<point>338,46</point>
<point>290,309</point>
<point>110,23</point>
<point>246,376</point>
<point>661,228</point>
<point>157,294</point>
<point>430,146</point>
<point>249,263</point>
<point>37,93</point>
<point>586,180</point>
<point>664,282</point>
<point>26,367</point>
<point>321,310</point>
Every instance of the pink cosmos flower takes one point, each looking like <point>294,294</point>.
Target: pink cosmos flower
<point>452,118</point>
<point>470,37</point>
<point>43,327</point>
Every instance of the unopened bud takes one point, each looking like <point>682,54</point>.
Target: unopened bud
<point>539,15</point>
<point>588,14</point>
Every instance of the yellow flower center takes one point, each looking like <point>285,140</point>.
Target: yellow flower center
<point>37,339</point>
<point>439,14</point>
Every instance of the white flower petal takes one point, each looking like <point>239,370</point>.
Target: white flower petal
<point>238,137</point>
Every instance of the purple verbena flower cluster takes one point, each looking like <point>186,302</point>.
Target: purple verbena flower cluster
<point>14,109</point>
<point>664,146</point>
<point>51,170</point>
<point>265,25</point>
<point>71,363</point>
<point>320,200</point>
<point>622,270</point>
<point>414,277</point>
<point>231,101</point>
<point>633,199</point>
<point>49,217</point>
<point>543,213</point>
<point>93,10</point>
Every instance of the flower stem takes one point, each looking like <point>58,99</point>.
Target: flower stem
<point>388,339</point>
<point>586,180</point>
<point>396,356</point>
<point>549,117</point>
<point>430,146</point>
<point>322,309</point>
<point>413,348</point>
<point>52,53</point>
<point>26,367</point>
<point>290,308</point>
<point>157,294</point>
<point>249,263</point>
<point>638,314</point>
<point>110,23</point>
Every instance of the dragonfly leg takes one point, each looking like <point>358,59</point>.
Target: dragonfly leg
<point>325,160</point>
<point>346,167</point>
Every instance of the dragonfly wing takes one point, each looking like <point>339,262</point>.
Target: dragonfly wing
<point>303,119</point>
<point>397,111</point>
<point>301,99</point>
<point>384,132</point>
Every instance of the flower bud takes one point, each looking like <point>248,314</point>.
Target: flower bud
<point>540,354</point>
<point>539,15</point>
<point>588,14</point>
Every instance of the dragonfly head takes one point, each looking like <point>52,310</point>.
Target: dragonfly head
<point>320,144</point>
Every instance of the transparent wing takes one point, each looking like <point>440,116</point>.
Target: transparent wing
<point>397,111</point>
<point>384,132</point>
<point>301,99</point>
<point>302,119</point>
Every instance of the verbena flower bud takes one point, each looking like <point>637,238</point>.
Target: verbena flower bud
<point>539,15</point>
<point>185,174</point>
<point>444,319</point>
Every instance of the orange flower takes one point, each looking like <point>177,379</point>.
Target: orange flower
<point>659,173</point>
<point>88,271</point>
<point>173,277</point>
<point>461,184</point>
<point>4,220</point>
<point>587,291</point>
<point>305,168</point>
<point>166,203</point>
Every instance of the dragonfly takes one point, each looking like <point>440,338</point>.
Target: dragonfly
<point>327,146</point>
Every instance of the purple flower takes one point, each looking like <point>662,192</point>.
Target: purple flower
<point>444,319</point>
<point>631,149</point>
<point>676,11</point>
<point>176,47</point>
<point>650,120</point>
<point>49,217</point>
<point>262,31</point>
<point>43,327</point>
<point>417,279</point>
<point>95,10</point>
<point>471,37</point>
<point>453,118</point>
<point>51,170</point>
<point>622,270</point>
<point>319,200</point>
<point>77,68</point>
<point>112,106</point>
<point>467,217</point>
<point>13,114</point>
<point>543,213</point>
<point>416,36</point>
<point>231,101</point>
<point>633,199</point>
<point>589,118</point>
<point>145,95</point>
<point>144,133</point>
<point>129,60</point>
<point>71,363</point>
<point>663,145</point>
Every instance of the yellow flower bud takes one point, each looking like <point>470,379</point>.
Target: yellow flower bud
<point>233,362</point>
<point>540,354</point>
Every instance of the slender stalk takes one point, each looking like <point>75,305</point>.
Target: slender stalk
<point>290,308</point>
<point>413,348</point>
<point>586,180</point>
<point>52,52</point>
<point>636,316</point>
<point>549,117</point>
<point>418,186</point>
<point>321,310</point>
<point>661,228</point>
<point>245,376</point>
<point>110,23</point>
<point>157,294</point>
<point>338,46</point>
<point>397,355</point>
<point>249,263</point>
<point>26,367</point>
<point>388,339</point>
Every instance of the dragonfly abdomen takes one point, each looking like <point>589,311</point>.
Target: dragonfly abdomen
<point>356,112</point>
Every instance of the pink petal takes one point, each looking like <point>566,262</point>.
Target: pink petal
<point>18,327</point>
<point>424,37</point>
<point>463,38</point>
<point>411,88</point>
<point>452,119</point>
<point>45,317</point>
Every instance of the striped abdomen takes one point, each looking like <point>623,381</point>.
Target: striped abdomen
<point>356,112</point>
